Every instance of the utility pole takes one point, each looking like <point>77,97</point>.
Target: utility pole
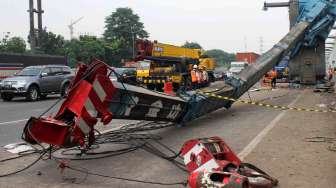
<point>134,37</point>
<point>39,19</point>
<point>34,40</point>
<point>32,35</point>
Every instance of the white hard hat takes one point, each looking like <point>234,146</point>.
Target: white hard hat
<point>195,67</point>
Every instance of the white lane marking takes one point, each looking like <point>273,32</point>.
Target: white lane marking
<point>12,122</point>
<point>253,144</point>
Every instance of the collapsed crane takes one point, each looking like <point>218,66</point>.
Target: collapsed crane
<point>93,95</point>
<point>123,101</point>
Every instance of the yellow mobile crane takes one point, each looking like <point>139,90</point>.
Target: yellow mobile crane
<point>163,62</point>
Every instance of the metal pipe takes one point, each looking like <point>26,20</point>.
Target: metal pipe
<point>275,5</point>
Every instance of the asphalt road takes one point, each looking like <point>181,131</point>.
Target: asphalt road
<point>238,126</point>
<point>14,114</point>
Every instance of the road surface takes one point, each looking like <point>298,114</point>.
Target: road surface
<point>263,136</point>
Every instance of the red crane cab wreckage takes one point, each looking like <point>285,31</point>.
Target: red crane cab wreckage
<point>87,100</point>
<point>211,163</point>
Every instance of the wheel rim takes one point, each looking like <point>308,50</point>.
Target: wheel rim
<point>34,94</point>
<point>66,90</point>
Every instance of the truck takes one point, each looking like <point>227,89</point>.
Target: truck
<point>169,62</point>
<point>249,57</point>
<point>283,69</point>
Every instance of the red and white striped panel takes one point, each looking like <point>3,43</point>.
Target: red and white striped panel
<point>102,91</point>
<point>197,158</point>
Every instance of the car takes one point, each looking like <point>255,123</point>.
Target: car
<point>124,75</point>
<point>36,82</point>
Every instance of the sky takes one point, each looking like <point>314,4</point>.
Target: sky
<point>230,25</point>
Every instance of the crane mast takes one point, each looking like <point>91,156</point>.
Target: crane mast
<point>71,26</point>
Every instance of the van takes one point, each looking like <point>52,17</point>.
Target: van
<point>237,67</point>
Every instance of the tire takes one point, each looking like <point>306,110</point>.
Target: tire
<point>6,97</point>
<point>65,90</point>
<point>33,93</point>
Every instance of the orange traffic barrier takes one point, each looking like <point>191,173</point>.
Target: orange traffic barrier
<point>168,88</point>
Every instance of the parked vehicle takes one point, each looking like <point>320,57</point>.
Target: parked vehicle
<point>169,62</point>
<point>36,82</point>
<point>237,67</point>
<point>125,75</point>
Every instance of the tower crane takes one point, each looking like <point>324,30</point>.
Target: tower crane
<point>71,26</point>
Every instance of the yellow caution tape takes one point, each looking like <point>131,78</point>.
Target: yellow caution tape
<point>266,105</point>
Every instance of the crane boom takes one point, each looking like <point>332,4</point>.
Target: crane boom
<point>76,21</point>
<point>71,26</point>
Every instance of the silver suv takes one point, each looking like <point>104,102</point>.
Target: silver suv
<point>36,82</point>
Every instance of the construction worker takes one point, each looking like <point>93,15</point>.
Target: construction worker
<point>205,76</point>
<point>199,76</point>
<point>194,77</point>
<point>274,76</point>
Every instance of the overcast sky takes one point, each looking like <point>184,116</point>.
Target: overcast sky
<point>221,24</point>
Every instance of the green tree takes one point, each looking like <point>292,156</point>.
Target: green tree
<point>51,43</point>
<point>13,44</point>
<point>222,58</point>
<point>192,45</point>
<point>124,25</point>
<point>85,48</point>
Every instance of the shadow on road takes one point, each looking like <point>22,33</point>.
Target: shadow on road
<point>22,99</point>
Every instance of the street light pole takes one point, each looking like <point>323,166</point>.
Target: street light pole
<point>133,39</point>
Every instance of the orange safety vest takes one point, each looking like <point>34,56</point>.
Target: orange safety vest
<point>193,76</point>
<point>274,74</point>
<point>199,77</point>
